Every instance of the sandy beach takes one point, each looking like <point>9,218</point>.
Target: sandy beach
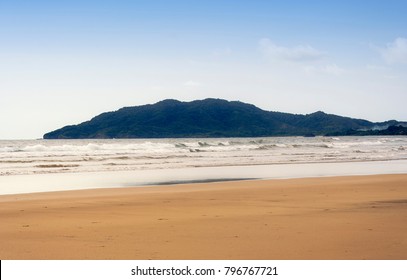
<point>357,217</point>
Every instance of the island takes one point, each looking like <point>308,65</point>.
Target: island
<point>218,118</point>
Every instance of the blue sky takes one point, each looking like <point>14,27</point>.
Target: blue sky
<point>63,62</point>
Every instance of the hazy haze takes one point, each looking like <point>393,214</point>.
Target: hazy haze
<point>63,62</point>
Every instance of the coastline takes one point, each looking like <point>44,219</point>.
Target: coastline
<point>346,217</point>
<point>35,183</point>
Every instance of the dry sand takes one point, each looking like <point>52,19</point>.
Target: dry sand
<point>360,217</point>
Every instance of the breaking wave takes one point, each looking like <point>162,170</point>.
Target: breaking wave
<point>42,156</point>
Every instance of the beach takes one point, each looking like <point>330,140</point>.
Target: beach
<point>343,217</point>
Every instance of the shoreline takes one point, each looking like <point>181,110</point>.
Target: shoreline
<point>17,184</point>
<point>345,217</point>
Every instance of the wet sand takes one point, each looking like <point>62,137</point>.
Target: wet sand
<point>357,217</point>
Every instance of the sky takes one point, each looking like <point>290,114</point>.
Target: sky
<point>64,62</point>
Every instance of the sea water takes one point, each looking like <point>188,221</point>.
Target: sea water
<point>46,165</point>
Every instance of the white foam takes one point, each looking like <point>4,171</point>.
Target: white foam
<point>22,157</point>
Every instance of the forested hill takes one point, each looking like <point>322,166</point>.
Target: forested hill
<point>217,118</point>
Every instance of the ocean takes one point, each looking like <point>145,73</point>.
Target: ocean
<point>34,165</point>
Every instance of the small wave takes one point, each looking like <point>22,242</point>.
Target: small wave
<point>35,148</point>
<point>234,143</point>
<point>203,144</point>
<point>196,150</point>
<point>92,147</point>
<point>385,140</point>
<point>259,141</point>
<point>281,145</point>
<point>121,157</point>
<point>8,149</point>
<point>56,165</point>
<point>180,145</point>
<point>371,143</point>
<point>316,145</point>
<point>17,161</point>
<point>266,147</point>
<point>115,164</point>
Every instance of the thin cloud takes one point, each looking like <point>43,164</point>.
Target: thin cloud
<point>331,69</point>
<point>221,52</point>
<point>192,84</point>
<point>395,52</point>
<point>296,53</point>
<point>374,67</point>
